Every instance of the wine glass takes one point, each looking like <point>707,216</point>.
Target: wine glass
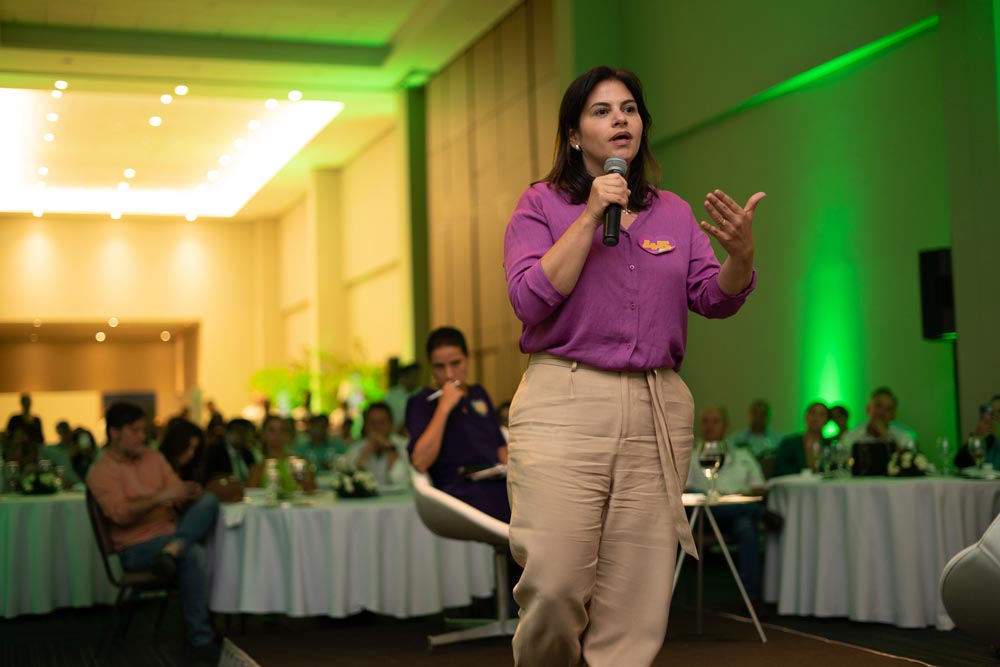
<point>977,449</point>
<point>944,449</point>
<point>12,476</point>
<point>711,457</point>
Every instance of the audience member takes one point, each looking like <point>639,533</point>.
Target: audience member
<point>740,473</point>
<point>317,445</point>
<point>802,451</point>
<point>237,453</point>
<point>839,416</point>
<point>183,446</point>
<point>142,498</point>
<point>407,384</point>
<point>758,436</point>
<point>881,411</point>
<point>62,453</point>
<point>503,418</point>
<point>19,448</point>
<point>380,451</point>
<point>984,431</point>
<point>276,446</point>
<point>31,423</point>
<point>454,427</point>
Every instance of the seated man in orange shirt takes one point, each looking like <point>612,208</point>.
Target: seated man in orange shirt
<point>141,496</point>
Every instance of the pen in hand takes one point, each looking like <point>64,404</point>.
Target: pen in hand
<point>437,394</point>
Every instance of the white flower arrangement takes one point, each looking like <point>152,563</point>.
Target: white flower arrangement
<point>907,463</point>
<point>354,484</point>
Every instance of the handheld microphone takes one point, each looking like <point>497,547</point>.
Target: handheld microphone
<point>613,213</point>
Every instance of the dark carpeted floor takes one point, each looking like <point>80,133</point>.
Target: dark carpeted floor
<point>70,637</point>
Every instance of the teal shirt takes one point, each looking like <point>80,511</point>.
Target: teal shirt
<point>790,458</point>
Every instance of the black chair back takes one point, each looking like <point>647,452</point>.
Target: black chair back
<point>871,458</point>
<point>102,533</point>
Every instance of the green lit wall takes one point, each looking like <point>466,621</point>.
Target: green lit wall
<point>853,160</point>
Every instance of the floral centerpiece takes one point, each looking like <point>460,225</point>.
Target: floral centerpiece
<point>908,463</point>
<point>41,482</point>
<point>351,483</point>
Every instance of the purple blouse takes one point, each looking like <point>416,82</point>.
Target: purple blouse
<point>628,311</point>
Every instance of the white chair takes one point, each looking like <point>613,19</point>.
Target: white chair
<point>447,516</point>
<point>970,587</point>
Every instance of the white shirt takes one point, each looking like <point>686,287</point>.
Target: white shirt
<point>739,474</point>
<point>384,474</point>
<point>860,434</point>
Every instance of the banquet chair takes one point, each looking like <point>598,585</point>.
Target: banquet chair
<point>447,516</point>
<point>970,587</point>
<point>131,585</point>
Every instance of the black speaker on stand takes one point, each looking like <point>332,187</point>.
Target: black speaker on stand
<point>937,306</point>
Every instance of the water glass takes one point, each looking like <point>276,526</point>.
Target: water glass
<point>977,449</point>
<point>711,457</point>
<point>11,477</point>
<point>947,456</point>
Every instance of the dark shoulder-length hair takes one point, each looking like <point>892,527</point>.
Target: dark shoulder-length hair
<point>568,172</point>
<point>176,439</point>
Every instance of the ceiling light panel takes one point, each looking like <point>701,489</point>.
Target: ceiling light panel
<point>170,160</point>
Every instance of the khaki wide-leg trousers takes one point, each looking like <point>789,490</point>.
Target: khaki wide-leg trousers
<point>597,464</point>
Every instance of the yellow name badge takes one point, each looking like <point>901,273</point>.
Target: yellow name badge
<point>657,246</point>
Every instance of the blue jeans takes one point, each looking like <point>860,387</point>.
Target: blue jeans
<point>739,524</point>
<point>194,525</point>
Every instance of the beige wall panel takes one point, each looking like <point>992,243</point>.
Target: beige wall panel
<point>79,408</point>
<point>546,122</point>
<point>436,120</point>
<point>542,39</point>
<point>293,255</point>
<point>485,88</point>
<point>376,312</point>
<point>298,342</point>
<point>457,99</point>
<point>513,42</point>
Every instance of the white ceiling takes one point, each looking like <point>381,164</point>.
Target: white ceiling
<point>120,56</point>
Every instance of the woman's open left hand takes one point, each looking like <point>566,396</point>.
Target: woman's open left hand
<point>733,223</point>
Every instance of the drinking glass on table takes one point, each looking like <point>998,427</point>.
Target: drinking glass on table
<point>944,449</point>
<point>711,457</point>
<point>977,449</point>
<point>12,477</point>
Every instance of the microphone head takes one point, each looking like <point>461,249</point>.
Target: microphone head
<point>615,165</point>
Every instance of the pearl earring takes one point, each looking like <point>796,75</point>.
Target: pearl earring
<point>576,146</point>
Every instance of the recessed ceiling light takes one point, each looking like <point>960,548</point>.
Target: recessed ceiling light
<point>191,217</point>
<point>212,175</point>
<point>155,121</point>
<point>57,94</point>
<point>181,90</point>
<point>129,173</point>
<point>239,143</point>
<point>165,336</point>
<point>112,322</point>
<point>43,171</point>
<point>225,160</point>
<point>48,136</point>
<point>61,85</point>
<point>166,99</point>
<point>116,215</point>
<point>295,95</point>
<point>271,103</point>
<point>99,337</point>
<point>37,323</point>
<point>123,186</point>
<point>38,213</point>
<point>52,117</point>
<point>254,125</point>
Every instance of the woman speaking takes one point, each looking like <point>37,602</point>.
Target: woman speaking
<point>601,425</point>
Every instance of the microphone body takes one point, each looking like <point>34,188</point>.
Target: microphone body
<point>613,213</point>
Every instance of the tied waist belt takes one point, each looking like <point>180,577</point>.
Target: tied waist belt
<point>668,464</point>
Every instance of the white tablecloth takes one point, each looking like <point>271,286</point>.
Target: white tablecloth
<point>48,555</point>
<point>872,549</point>
<point>341,557</point>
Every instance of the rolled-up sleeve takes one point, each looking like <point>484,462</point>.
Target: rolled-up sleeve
<point>705,297</point>
<point>527,239</point>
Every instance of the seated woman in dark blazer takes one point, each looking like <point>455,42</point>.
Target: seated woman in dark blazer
<point>799,452</point>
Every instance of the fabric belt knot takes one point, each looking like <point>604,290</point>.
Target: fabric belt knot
<point>675,486</point>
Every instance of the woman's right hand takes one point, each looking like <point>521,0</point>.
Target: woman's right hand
<point>604,191</point>
<point>451,395</point>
